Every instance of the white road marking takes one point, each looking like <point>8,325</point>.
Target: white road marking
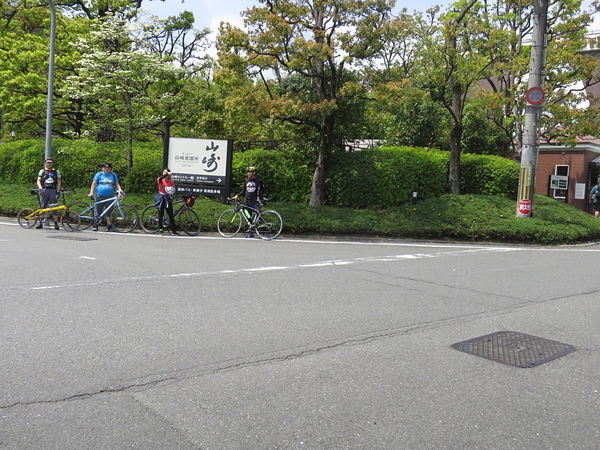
<point>319,264</point>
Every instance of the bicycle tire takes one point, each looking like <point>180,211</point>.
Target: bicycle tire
<point>189,222</point>
<point>24,221</point>
<point>125,218</point>
<point>149,219</point>
<point>86,213</point>
<point>70,220</point>
<point>269,224</point>
<point>229,223</point>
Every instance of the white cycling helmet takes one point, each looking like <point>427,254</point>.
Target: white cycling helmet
<point>170,190</point>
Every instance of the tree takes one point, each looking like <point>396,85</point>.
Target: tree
<point>317,40</point>
<point>115,84</point>
<point>453,59</point>
<point>567,72</point>
<point>24,44</point>
<point>175,41</point>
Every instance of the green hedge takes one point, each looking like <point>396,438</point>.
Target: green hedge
<point>380,177</point>
<point>386,176</point>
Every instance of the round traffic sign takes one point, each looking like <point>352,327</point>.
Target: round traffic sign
<point>535,96</point>
<point>524,207</point>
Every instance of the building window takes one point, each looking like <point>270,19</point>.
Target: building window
<point>562,171</point>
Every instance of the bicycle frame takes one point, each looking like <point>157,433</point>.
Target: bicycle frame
<point>252,215</point>
<point>124,217</point>
<point>113,201</point>
<point>266,224</point>
<point>40,211</point>
<point>69,220</point>
<point>185,217</point>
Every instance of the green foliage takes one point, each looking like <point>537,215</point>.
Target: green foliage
<point>141,179</point>
<point>389,176</point>
<point>447,217</point>
<point>370,178</point>
<point>488,175</point>
<point>481,135</point>
<point>286,176</point>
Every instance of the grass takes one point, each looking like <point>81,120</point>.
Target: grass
<point>472,218</point>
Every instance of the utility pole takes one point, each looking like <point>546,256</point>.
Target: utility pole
<point>535,99</point>
<point>49,101</point>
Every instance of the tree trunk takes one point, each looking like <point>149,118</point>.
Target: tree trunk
<point>456,132</point>
<point>130,146</point>
<point>454,166</point>
<point>317,190</point>
<point>165,135</point>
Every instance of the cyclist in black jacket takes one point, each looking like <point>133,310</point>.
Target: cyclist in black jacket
<point>49,180</point>
<point>253,191</point>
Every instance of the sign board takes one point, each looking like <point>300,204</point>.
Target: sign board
<point>580,191</point>
<point>201,166</point>
<point>535,96</point>
<point>559,182</point>
<point>525,207</point>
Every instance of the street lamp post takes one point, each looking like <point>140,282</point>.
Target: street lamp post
<point>535,98</point>
<point>49,105</point>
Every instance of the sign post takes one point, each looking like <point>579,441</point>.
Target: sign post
<point>50,98</point>
<point>535,98</point>
<point>201,166</point>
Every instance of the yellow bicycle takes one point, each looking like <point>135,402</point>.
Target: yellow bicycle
<point>28,217</point>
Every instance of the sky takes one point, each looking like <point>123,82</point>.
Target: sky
<point>210,13</point>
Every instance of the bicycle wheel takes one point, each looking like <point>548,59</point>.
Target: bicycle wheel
<point>269,224</point>
<point>24,220</point>
<point>125,218</point>
<point>189,222</point>
<point>149,221</point>
<point>229,223</point>
<point>70,220</point>
<point>85,212</point>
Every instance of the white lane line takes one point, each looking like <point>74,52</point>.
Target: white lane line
<point>332,263</point>
<point>87,257</point>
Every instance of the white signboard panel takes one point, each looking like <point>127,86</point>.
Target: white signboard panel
<point>201,166</point>
<point>198,156</point>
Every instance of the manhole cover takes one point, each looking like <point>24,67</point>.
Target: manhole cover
<point>515,349</point>
<point>72,238</point>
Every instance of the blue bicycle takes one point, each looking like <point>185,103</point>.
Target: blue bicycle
<point>125,218</point>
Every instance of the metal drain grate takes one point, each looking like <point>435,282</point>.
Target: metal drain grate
<point>72,238</point>
<point>515,349</point>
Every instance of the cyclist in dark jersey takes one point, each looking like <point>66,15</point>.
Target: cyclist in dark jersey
<point>253,191</point>
<point>49,181</point>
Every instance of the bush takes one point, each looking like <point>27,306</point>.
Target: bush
<point>286,177</point>
<point>388,176</point>
<point>379,177</point>
<point>385,176</point>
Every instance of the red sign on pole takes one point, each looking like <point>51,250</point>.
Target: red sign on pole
<point>535,96</point>
<point>525,207</point>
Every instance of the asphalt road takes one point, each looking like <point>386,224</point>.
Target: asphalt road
<point>112,341</point>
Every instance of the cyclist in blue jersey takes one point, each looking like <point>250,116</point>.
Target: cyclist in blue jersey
<point>595,199</point>
<point>103,186</point>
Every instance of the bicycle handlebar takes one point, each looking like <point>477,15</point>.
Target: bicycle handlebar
<point>261,202</point>
<point>62,191</point>
<point>118,195</point>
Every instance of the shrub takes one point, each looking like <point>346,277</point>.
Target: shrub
<point>379,177</point>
